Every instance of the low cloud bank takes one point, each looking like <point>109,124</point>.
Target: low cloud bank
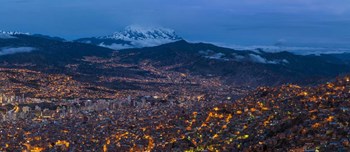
<point>14,50</point>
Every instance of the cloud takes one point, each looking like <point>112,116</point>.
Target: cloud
<point>297,50</point>
<point>258,59</point>
<point>217,56</point>
<point>14,50</point>
<point>115,46</point>
<point>6,36</point>
<point>150,42</point>
<point>213,55</point>
<point>137,44</point>
<point>255,58</point>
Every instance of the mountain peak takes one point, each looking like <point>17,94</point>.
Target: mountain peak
<point>10,34</point>
<point>137,32</point>
<point>135,36</point>
<point>143,29</point>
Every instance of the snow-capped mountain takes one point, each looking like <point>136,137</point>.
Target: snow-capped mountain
<point>13,33</point>
<point>10,34</point>
<point>250,67</point>
<point>144,33</point>
<point>134,37</point>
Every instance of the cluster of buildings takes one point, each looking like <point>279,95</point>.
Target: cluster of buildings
<point>290,118</point>
<point>16,83</point>
<point>170,112</point>
<point>286,118</point>
<point>23,83</point>
<point>5,99</point>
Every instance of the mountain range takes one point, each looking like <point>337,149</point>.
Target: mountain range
<point>144,64</point>
<point>134,37</point>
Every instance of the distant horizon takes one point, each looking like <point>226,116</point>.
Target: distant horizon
<point>273,47</point>
<point>309,23</point>
<point>282,42</point>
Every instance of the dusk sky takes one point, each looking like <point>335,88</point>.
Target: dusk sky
<point>316,23</point>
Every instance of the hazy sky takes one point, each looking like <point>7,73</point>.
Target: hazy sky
<point>242,22</point>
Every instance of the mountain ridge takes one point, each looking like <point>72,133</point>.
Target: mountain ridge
<point>170,65</point>
<point>134,37</point>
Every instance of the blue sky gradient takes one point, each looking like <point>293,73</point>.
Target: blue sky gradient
<point>314,23</point>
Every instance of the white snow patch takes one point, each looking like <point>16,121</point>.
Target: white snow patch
<point>141,36</point>
<point>10,35</point>
<point>13,33</point>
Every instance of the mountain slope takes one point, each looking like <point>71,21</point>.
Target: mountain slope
<point>173,68</point>
<point>240,67</point>
<point>134,37</point>
<point>46,51</point>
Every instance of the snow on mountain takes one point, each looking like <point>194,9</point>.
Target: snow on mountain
<point>13,33</point>
<point>5,35</point>
<point>134,32</point>
<point>9,35</point>
<point>135,36</point>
